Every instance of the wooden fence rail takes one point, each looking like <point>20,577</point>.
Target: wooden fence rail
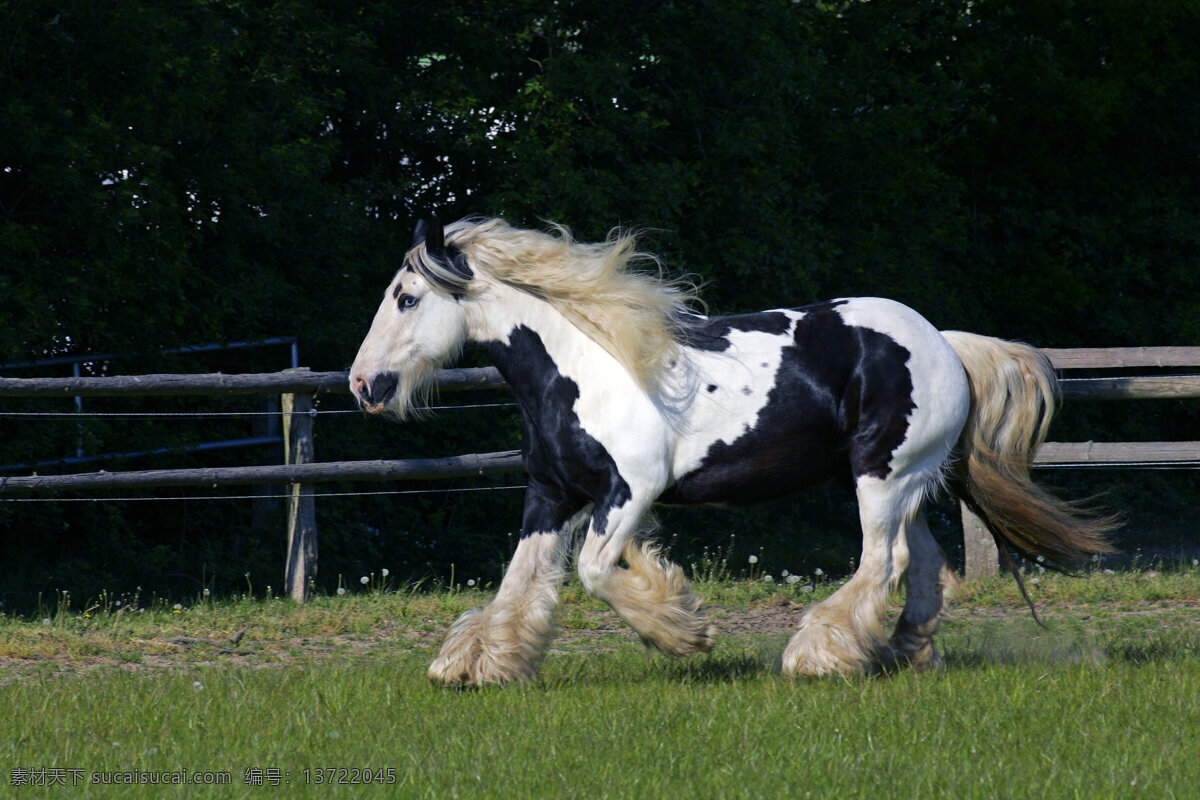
<point>297,386</point>
<point>290,381</point>
<point>296,471</point>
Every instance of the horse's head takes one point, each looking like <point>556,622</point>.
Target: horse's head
<point>419,326</point>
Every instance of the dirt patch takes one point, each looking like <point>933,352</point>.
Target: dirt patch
<point>583,630</point>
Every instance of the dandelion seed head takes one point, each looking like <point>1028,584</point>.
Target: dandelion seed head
<point>341,590</point>
<point>818,572</point>
<point>364,580</point>
<point>753,559</point>
<point>384,572</point>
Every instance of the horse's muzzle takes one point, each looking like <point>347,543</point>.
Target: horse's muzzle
<point>373,395</point>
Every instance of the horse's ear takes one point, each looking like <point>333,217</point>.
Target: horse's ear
<point>419,233</point>
<point>435,235</point>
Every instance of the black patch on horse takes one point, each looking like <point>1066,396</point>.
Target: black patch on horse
<point>712,334</point>
<point>840,405</point>
<point>565,461</point>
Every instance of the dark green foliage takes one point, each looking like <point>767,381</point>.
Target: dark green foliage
<point>173,173</point>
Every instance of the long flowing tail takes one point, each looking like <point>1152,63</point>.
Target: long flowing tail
<point>1014,393</point>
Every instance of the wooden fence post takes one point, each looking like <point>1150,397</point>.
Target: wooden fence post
<point>302,520</point>
<point>980,556</point>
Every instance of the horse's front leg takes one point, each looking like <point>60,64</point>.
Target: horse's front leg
<point>505,640</point>
<point>650,593</point>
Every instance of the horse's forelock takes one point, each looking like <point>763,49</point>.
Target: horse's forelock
<point>446,269</point>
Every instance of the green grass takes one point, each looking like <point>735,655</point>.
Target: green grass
<point>1102,704</point>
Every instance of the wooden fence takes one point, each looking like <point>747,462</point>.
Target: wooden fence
<point>297,387</point>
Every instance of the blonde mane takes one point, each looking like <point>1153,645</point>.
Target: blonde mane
<point>634,315</point>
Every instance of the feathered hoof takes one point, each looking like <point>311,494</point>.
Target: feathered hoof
<point>484,649</point>
<point>820,648</point>
<point>894,658</point>
<point>682,635</point>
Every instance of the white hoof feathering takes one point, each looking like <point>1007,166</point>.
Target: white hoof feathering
<point>492,645</point>
<point>832,640</point>
<point>654,598</point>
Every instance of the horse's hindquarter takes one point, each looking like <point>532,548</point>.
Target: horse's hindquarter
<point>789,398</point>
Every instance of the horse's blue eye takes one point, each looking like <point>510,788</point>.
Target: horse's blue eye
<point>407,301</point>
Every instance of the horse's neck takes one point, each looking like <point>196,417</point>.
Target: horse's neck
<point>528,340</point>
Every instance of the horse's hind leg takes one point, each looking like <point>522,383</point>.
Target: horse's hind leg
<point>650,593</point>
<point>844,633</point>
<point>505,640</point>
<point>927,579</point>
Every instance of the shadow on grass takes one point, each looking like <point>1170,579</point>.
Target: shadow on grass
<point>631,664</point>
<point>1070,645</point>
<point>719,668</point>
<point>1138,641</point>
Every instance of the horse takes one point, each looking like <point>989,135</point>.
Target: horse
<point>630,398</point>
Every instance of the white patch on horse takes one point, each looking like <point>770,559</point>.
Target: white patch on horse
<point>751,363</point>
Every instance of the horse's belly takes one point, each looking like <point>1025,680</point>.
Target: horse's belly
<point>755,468</point>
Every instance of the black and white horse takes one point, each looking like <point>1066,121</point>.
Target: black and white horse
<point>630,399</point>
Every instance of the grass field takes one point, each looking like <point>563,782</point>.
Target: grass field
<point>281,699</point>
